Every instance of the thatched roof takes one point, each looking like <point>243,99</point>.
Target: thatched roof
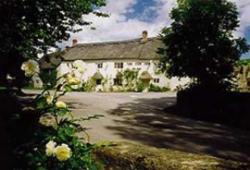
<point>97,75</point>
<point>145,76</point>
<point>130,49</point>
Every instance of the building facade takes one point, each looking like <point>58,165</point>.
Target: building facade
<point>105,64</point>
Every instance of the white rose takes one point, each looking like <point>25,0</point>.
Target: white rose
<point>30,67</point>
<point>63,152</point>
<point>72,80</point>
<point>49,99</point>
<point>50,148</point>
<point>78,65</point>
<point>48,120</point>
<point>60,104</point>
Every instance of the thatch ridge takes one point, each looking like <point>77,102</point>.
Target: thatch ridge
<point>112,42</point>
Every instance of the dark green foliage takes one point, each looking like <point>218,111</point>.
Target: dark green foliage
<point>49,77</point>
<point>140,86</point>
<point>30,27</point>
<point>200,44</point>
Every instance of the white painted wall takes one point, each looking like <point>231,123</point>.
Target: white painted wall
<point>109,71</point>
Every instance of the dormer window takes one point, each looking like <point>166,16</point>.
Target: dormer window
<point>118,65</point>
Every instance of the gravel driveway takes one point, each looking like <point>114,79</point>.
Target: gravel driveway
<point>140,118</point>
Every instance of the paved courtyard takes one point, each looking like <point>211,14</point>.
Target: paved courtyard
<point>140,118</point>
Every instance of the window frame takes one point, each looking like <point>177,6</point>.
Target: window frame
<point>118,65</point>
<point>156,80</point>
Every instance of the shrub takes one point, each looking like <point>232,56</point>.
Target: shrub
<point>155,88</point>
<point>140,86</point>
<point>55,144</point>
<point>89,85</point>
<point>130,78</point>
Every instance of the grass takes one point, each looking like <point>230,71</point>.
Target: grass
<point>128,156</point>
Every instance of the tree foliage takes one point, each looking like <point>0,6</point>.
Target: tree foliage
<point>29,27</point>
<point>200,44</point>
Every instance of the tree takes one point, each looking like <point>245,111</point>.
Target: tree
<point>200,44</point>
<point>30,27</point>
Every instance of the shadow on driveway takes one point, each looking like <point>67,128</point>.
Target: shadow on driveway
<point>144,121</point>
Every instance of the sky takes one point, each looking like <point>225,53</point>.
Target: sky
<point>128,18</point>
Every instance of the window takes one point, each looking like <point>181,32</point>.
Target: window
<point>130,64</point>
<point>138,63</point>
<point>147,63</point>
<point>117,82</point>
<point>98,81</point>
<point>118,65</point>
<point>156,80</point>
<point>100,65</point>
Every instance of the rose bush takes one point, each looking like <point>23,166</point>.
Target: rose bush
<point>55,145</point>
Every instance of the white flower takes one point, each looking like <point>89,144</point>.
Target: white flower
<point>60,104</point>
<point>49,99</point>
<point>50,148</point>
<point>78,65</point>
<point>72,80</point>
<point>48,120</point>
<point>30,68</point>
<point>63,152</point>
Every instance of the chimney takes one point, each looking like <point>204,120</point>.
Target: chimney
<point>74,42</point>
<point>144,36</point>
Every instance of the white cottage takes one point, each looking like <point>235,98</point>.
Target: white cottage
<point>104,62</point>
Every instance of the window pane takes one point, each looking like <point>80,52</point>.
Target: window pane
<point>156,80</point>
<point>118,65</point>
